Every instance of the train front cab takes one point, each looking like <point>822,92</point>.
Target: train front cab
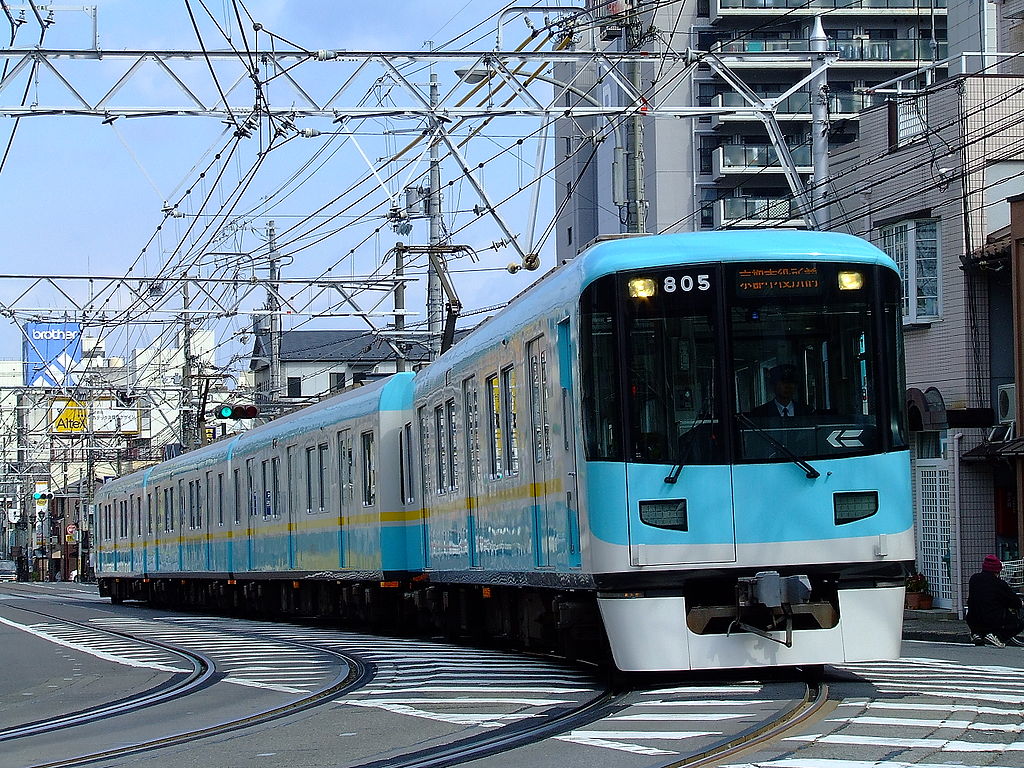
<point>725,535</point>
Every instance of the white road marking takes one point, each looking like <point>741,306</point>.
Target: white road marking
<point>91,651</point>
<point>270,686</point>
<point>943,745</point>
<point>638,749</point>
<point>645,735</point>
<point>681,717</point>
<point>915,723</point>
<point>482,720</point>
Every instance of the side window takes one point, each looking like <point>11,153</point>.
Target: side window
<point>268,502</point>
<point>275,486</point>
<point>149,514</point>
<point>209,500</point>
<point>369,470</point>
<point>191,505</point>
<point>220,498</point>
<point>321,471</point>
<point>310,452</point>
<point>292,487</point>
<point>250,479</point>
<point>508,402</point>
<point>181,505</point>
<point>405,468</point>
<point>237,493</point>
<point>424,452</point>
<point>440,457</point>
<point>494,425</point>
<point>451,445</point>
<point>472,430</point>
<point>346,467</point>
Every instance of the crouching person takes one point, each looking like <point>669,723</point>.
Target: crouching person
<point>993,608</point>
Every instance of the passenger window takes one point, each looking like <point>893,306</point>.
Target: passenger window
<point>508,391</point>
<point>494,420</point>
<point>369,471</point>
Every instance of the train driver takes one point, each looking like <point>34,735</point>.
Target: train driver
<point>784,382</point>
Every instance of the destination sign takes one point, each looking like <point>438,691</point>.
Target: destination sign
<point>780,279</point>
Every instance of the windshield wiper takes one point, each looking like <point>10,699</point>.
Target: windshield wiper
<point>811,471</point>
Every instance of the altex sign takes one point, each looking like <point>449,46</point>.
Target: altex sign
<point>99,417</point>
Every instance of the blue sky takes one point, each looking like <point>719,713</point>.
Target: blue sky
<point>80,197</point>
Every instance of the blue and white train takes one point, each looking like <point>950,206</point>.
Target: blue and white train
<point>604,463</point>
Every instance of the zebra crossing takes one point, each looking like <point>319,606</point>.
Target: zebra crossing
<point>103,645</point>
<point>674,720</point>
<point>946,713</point>
<point>455,685</point>
<point>242,660</point>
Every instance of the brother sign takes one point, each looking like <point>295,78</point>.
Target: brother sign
<point>51,351</point>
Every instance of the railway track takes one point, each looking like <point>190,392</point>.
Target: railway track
<point>359,668</point>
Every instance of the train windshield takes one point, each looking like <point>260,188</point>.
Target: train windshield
<point>742,362</point>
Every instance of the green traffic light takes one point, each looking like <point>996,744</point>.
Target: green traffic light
<point>37,495</point>
<point>224,412</point>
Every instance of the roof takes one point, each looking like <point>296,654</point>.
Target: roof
<point>342,346</point>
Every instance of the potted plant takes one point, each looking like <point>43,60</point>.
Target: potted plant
<point>918,596</point>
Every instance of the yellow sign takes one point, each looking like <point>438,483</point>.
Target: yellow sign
<point>71,417</point>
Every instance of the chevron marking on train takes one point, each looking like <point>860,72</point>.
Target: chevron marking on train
<point>845,438</point>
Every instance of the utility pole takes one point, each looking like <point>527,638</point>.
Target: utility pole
<point>819,126</point>
<point>400,366</point>
<point>434,212</point>
<point>273,307</point>
<point>636,197</point>
<point>188,422</point>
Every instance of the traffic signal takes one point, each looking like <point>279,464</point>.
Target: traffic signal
<point>238,412</point>
<point>42,497</point>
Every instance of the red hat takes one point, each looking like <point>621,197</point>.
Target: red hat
<point>992,563</point>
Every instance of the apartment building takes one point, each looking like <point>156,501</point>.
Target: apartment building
<point>721,171</point>
<point>928,181</point>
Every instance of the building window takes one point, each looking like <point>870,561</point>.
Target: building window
<point>294,386</point>
<point>337,382</point>
<point>914,246</point>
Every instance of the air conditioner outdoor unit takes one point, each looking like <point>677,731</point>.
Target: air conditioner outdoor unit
<point>1006,403</point>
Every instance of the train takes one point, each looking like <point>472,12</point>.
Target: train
<point>680,452</point>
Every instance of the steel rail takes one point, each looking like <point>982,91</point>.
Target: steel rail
<point>503,740</point>
<point>814,701</point>
<point>356,675</point>
<point>200,677</point>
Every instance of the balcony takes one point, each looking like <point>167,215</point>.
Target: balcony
<point>872,51</point>
<point>789,8</point>
<point>744,212</point>
<point>755,158</point>
<point>797,106</point>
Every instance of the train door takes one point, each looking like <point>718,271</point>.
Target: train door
<point>206,522</point>
<point>290,494</point>
<point>540,452</point>
<point>471,413</point>
<point>149,532</point>
<point>252,507</point>
<point>679,483</point>
<point>346,485</point>
<point>564,450</point>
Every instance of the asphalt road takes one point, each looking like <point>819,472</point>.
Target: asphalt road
<point>942,704</point>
